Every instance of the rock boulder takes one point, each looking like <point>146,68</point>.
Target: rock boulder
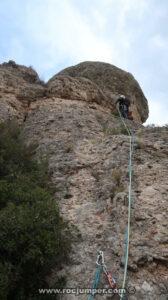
<point>113,82</point>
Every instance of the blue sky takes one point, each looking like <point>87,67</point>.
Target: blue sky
<point>131,34</point>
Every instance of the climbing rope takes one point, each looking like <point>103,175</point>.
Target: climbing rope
<point>96,280</point>
<point>100,255</point>
<point>131,135</point>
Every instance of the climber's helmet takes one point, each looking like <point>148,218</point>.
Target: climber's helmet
<point>122,96</point>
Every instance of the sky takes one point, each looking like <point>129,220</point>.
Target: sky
<point>51,35</point>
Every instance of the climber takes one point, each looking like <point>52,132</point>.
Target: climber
<point>124,104</point>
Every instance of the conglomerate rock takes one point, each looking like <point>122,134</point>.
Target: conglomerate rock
<point>88,153</point>
<point>90,170</point>
<point>19,86</point>
<point>67,87</point>
<point>113,82</point>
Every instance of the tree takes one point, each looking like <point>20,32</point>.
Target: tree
<point>33,236</point>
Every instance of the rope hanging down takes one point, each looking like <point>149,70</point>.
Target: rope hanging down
<point>96,281</point>
<point>130,133</point>
<point>100,265</point>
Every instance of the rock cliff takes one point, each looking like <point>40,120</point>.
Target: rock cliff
<point>71,119</point>
<point>113,82</point>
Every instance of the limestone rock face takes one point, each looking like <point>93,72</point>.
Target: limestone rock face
<point>67,87</point>
<point>70,118</point>
<point>19,86</point>
<point>113,82</point>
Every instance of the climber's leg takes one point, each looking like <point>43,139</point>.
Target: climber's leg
<point>123,113</point>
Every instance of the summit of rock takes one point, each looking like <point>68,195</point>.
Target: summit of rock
<point>19,86</point>
<point>26,73</point>
<point>113,82</point>
<point>90,82</point>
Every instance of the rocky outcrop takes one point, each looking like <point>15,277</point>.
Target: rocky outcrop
<point>92,82</point>
<point>19,86</point>
<point>113,82</point>
<point>88,154</point>
<point>90,170</point>
<point>67,87</point>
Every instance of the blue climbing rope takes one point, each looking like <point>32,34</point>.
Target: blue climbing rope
<point>132,141</point>
<point>96,280</point>
<point>95,283</point>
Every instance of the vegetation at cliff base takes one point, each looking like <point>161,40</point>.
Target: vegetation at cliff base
<point>33,236</point>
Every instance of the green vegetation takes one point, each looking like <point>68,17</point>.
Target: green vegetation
<point>117,179</point>
<point>115,112</point>
<point>33,236</point>
<point>156,128</point>
<point>116,131</point>
<point>68,148</point>
<point>96,175</point>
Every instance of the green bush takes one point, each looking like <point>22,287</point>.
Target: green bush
<point>117,180</point>
<point>156,128</point>
<point>115,112</point>
<point>33,236</point>
<point>116,131</point>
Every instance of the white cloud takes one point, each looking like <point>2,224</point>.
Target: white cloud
<point>16,48</point>
<point>159,41</point>
<point>99,19</point>
<point>62,30</point>
<point>157,110</point>
<point>133,8</point>
<point>53,34</point>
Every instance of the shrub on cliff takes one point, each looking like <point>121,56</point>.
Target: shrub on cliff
<point>116,131</point>
<point>33,236</point>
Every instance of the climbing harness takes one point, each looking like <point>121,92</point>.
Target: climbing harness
<point>100,254</point>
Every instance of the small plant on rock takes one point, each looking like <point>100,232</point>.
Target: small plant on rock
<point>116,131</point>
<point>115,112</point>
<point>68,148</point>
<point>117,180</point>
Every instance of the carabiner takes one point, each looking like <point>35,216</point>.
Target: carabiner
<point>111,280</point>
<point>100,255</point>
